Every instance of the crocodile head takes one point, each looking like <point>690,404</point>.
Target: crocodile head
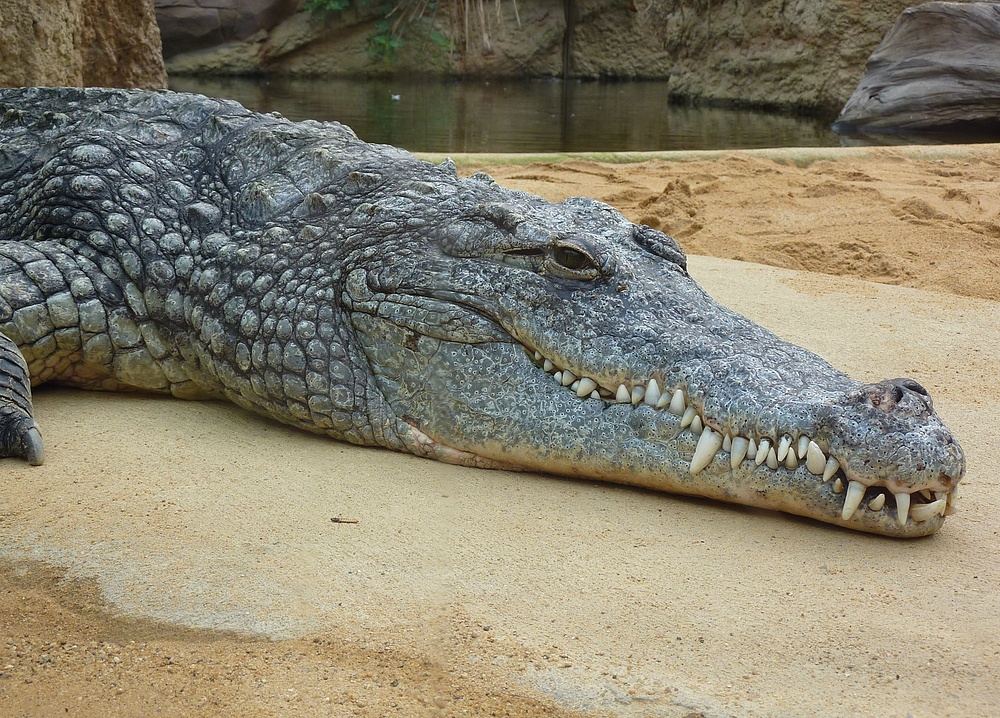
<point>565,339</point>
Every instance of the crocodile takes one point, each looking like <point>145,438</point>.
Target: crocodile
<point>174,243</point>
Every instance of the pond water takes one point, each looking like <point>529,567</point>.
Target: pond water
<point>517,116</point>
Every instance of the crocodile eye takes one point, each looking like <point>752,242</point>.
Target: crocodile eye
<point>572,259</point>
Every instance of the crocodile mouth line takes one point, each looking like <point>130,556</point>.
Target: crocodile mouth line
<point>774,452</point>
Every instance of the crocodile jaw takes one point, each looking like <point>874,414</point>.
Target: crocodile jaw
<point>493,404</point>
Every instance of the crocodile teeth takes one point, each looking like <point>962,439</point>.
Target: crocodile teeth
<point>855,492</point>
<point>677,403</point>
<point>952,502</point>
<point>838,486</point>
<point>739,451</point>
<point>815,459</point>
<point>783,446</point>
<point>927,511</point>
<point>785,451</point>
<point>708,445</point>
<point>902,507</point>
<point>762,449</point>
<point>652,394</point>
<point>587,385</point>
<point>877,503</point>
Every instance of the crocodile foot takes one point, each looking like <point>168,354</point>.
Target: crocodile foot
<point>19,436</point>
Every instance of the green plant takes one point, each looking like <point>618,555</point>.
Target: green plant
<point>401,19</point>
<point>323,7</point>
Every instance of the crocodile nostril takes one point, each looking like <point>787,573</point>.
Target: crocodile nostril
<point>913,386</point>
<point>897,393</point>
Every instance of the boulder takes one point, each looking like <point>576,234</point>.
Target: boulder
<point>109,43</point>
<point>937,69</point>
<point>187,25</point>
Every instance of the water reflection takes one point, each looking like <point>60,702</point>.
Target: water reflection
<point>516,116</point>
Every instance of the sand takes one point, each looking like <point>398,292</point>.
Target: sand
<point>178,557</point>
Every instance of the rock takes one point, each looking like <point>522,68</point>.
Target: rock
<point>937,68</point>
<point>189,25</point>
<point>109,43</point>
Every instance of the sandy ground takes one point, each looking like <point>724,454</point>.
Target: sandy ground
<point>176,558</point>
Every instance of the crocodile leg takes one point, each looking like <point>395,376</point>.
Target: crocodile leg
<point>19,434</point>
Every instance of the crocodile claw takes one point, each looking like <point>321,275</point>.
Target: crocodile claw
<point>20,437</point>
<point>19,434</point>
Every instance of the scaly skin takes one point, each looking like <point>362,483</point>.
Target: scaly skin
<point>174,243</point>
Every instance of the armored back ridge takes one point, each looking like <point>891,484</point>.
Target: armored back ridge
<point>173,243</point>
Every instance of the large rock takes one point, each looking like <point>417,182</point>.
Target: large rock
<point>938,68</point>
<point>108,43</point>
<point>187,25</point>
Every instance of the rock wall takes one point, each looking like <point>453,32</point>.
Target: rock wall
<point>109,43</point>
<point>801,54</point>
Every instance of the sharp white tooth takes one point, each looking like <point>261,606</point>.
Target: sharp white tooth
<point>652,394</point>
<point>595,394</point>
<point>548,365</point>
<point>791,461</point>
<point>838,486</point>
<point>762,448</point>
<point>877,503</point>
<point>696,425</point>
<point>677,403</point>
<point>568,377</point>
<point>922,512</point>
<point>558,377</point>
<point>752,449</point>
<point>952,502</point>
<point>538,356</point>
<point>832,467</point>
<point>663,401</point>
<point>689,415</point>
<point>623,397</point>
<point>803,447</point>
<point>783,446</point>
<point>575,385</point>
<point>739,451</point>
<point>855,492</point>
<point>637,394</point>
<point>902,507</point>
<point>727,443</point>
<point>815,459</point>
<point>772,459</point>
<point>586,386</point>
<point>708,445</point>
<point>926,493</point>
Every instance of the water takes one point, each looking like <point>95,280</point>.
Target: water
<point>517,116</point>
